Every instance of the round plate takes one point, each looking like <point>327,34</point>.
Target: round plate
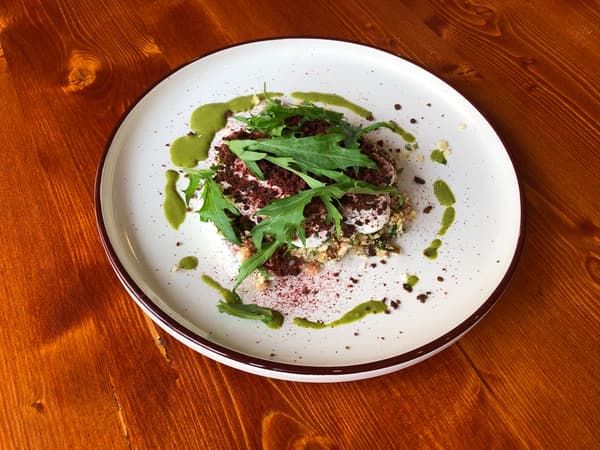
<point>454,291</point>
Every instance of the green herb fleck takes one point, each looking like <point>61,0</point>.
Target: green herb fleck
<point>431,252</point>
<point>438,157</point>
<point>412,280</point>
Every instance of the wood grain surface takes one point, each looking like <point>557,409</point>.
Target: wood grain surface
<point>82,366</point>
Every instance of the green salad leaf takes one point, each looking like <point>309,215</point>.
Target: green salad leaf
<point>274,119</point>
<point>313,154</point>
<point>216,207</point>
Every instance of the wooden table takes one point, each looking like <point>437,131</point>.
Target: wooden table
<point>82,367</point>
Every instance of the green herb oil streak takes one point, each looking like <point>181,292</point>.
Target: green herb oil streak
<point>446,198</point>
<point>334,100</point>
<point>405,134</point>
<point>234,307</point>
<point>227,295</point>
<point>173,206</point>
<point>443,193</point>
<point>447,220</point>
<point>357,313</point>
<point>205,121</point>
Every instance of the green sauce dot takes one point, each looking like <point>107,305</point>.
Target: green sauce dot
<point>188,263</point>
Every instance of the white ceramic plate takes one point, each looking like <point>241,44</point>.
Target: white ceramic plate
<point>478,254</point>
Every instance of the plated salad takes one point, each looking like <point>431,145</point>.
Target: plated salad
<point>291,186</point>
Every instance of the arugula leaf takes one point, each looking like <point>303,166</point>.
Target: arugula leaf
<point>333,214</point>
<point>270,317</point>
<point>215,206</point>
<point>195,176</point>
<point>286,163</point>
<point>272,119</point>
<point>311,154</point>
<point>284,218</point>
<point>254,262</point>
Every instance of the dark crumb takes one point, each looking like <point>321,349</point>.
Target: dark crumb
<point>370,117</point>
<point>397,106</point>
<point>336,274</point>
<point>394,304</point>
<point>418,180</point>
<point>427,209</point>
<point>384,299</point>
<point>349,285</point>
<point>167,145</point>
<point>422,297</point>
<point>191,133</point>
<point>383,261</point>
<point>177,244</point>
<point>407,287</point>
<point>272,354</point>
<point>413,120</point>
<point>429,104</point>
<point>347,347</point>
<point>387,311</point>
<point>373,265</point>
<point>440,278</point>
<point>380,143</point>
<point>354,280</point>
<point>356,333</point>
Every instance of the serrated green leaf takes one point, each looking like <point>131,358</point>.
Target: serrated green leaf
<point>214,209</point>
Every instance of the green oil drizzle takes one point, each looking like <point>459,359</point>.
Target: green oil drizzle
<point>173,206</point>
<point>334,100</point>
<point>357,313</point>
<point>438,156</point>
<point>233,306</point>
<point>188,263</point>
<point>227,295</point>
<point>447,219</point>
<point>443,193</point>
<point>432,251</point>
<point>405,135</point>
<point>205,121</point>
<point>412,280</point>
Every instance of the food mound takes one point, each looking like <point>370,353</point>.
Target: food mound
<point>293,186</point>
